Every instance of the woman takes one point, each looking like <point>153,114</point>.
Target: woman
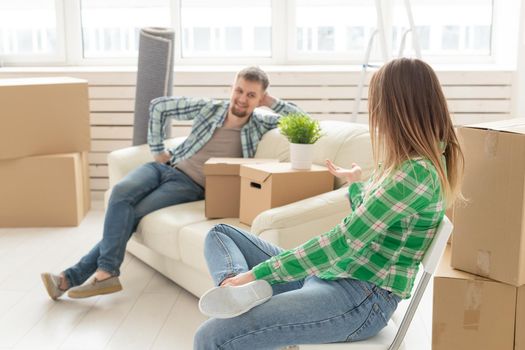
<point>344,285</point>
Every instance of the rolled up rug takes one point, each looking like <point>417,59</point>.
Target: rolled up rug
<point>154,77</point>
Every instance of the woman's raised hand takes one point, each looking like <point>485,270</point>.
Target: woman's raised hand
<point>350,175</point>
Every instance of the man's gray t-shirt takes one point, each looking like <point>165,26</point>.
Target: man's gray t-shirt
<point>225,142</point>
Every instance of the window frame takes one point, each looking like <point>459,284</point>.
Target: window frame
<point>504,36</point>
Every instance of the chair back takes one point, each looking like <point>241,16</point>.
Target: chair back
<point>430,262</point>
<point>437,247</point>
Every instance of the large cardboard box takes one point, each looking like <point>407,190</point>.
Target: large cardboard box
<point>265,186</point>
<point>42,191</point>
<point>489,230</point>
<point>43,116</point>
<point>473,313</point>
<point>223,185</point>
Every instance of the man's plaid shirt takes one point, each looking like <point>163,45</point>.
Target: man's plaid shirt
<point>382,241</point>
<point>207,115</point>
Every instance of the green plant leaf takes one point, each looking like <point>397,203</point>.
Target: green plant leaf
<point>300,128</point>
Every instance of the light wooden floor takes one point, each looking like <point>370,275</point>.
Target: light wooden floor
<point>150,313</point>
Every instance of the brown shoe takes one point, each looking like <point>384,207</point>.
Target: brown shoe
<point>52,284</point>
<point>95,287</point>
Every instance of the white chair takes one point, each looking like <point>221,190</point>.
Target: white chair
<point>389,338</point>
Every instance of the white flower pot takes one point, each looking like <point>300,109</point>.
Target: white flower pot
<point>301,156</point>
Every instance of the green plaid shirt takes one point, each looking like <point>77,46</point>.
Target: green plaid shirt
<point>208,115</point>
<point>382,241</point>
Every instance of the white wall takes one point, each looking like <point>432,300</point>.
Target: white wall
<point>324,92</point>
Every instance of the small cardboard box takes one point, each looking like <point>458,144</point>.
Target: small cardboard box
<point>43,116</point>
<point>44,191</point>
<point>266,186</point>
<point>472,312</point>
<point>489,230</point>
<point>223,185</point>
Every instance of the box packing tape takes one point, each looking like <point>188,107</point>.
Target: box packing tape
<point>491,143</point>
<point>483,263</point>
<point>473,300</point>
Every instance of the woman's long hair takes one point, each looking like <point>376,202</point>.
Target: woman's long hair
<point>409,118</point>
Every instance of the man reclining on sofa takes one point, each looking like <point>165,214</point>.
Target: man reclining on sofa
<point>220,129</point>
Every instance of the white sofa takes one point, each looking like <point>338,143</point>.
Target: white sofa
<point>171,240</point>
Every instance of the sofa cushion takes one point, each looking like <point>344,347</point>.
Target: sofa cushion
<point>191,241</point>
<point>337,136</point>
<point>160,229</point>
<point>344,143</point>
<point>356,149</point>
<point>273,145</point>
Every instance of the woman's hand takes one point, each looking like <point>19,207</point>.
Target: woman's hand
<point>351,175</point>
<point>239,280</point>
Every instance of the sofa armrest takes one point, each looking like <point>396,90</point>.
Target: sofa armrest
<point>290,225</point>
<point>122,161</point>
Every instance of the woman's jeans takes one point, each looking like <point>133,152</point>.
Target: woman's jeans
<point>301,312</point>
<point>148,188</point>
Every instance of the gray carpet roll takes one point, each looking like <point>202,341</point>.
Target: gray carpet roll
<point>154,77</point>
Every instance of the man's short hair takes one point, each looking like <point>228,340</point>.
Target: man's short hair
<point>254,74</point>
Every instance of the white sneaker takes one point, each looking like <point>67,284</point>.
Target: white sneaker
<point>231,301</point>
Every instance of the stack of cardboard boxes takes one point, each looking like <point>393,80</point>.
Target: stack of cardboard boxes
<point>243,188</point>
<point>479,289</point>
<point>44,144</point>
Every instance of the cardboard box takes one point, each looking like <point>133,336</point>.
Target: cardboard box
<point>519,341</point>
<point>43,116</point>
<point>44,191</point>
<point>223,185</point>
<point>489,231</point>
<point>266,186</point>
<point>472,312</point>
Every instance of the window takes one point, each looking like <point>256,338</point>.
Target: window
<point>201,39</point>
<point>256,31</point>
<point>228,28</point>
<point>111,28</point>
<point>447,27</point>
<point>28,29</point>
<point>355,38</point>
<point>327,27</point>
<point>262,39</point>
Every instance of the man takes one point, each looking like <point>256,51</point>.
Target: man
<point>220,129</point>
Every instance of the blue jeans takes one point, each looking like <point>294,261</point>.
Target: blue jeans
<point>310,311</point>
<point>148,188</point>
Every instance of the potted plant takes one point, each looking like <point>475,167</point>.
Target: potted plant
<point>302,132</point>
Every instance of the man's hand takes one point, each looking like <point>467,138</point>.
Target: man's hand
<point>267,100</point>
<point>351,175</point>
<point>239,280</point>
<point>163,157</point>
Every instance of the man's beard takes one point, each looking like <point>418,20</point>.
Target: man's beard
<point>238,113</point>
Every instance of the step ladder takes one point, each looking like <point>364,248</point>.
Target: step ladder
<point>380,32</point>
